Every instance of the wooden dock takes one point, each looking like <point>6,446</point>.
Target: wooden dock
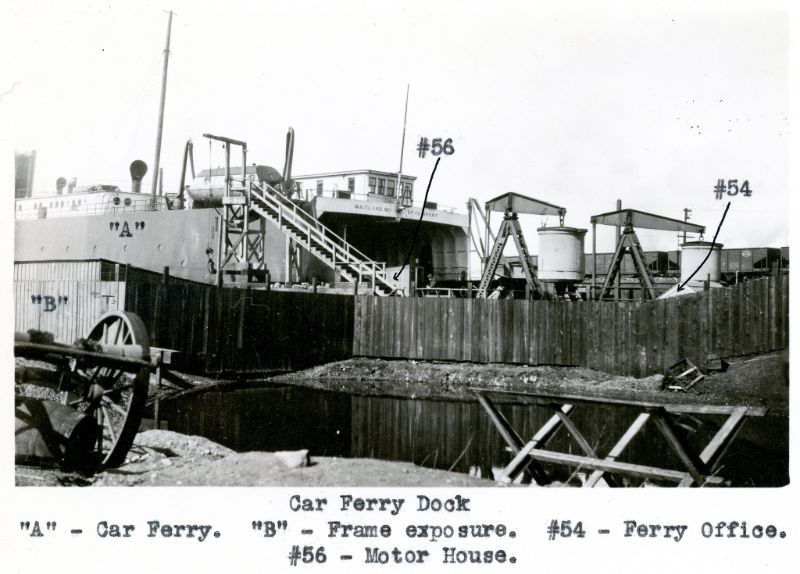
<point>700,469</point>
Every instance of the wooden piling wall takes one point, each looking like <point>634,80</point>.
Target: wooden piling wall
<point>631,338</point>
<point>242,330</point>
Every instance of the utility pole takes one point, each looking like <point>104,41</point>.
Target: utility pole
<point>686,213</point>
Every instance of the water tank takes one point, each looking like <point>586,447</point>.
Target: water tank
<point>561,253</point>
<point>692,255</point>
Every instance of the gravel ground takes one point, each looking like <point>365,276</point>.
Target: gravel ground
<point>166,458</point>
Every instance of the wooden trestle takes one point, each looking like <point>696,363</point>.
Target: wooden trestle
<point>699,469</point>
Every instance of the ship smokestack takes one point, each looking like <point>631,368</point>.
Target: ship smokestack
<point>61,183</point>
<point>287,183</point>
<point>138,170</point>
<point>72,185</point>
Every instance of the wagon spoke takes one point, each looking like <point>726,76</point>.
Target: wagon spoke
<point>115,406</point>
<point>109,424</point>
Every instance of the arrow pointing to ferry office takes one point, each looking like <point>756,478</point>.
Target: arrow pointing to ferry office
<point>710,249</point>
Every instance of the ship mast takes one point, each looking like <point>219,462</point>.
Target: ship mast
<point>156,170</point>
<point>398,191</point>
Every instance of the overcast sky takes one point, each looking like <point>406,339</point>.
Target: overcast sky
<point>576,108</point>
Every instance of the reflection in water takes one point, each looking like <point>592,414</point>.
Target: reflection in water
<point>453,435</point>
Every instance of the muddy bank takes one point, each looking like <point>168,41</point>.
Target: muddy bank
<point>755,381</point>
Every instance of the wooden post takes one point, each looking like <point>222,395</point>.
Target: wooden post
<point>158,391</point>
<point>244,295</point>
<point>594,262</point>
<point>269,281</point>
<point>219,329</point>
<point>314,284</point>
<point>165,276</point>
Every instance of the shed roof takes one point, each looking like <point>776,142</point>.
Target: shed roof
<point>523,204</point>
<point>644,220</point>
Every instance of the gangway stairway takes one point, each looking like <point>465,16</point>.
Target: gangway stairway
<point>242,245</point>
<point>307,231</point>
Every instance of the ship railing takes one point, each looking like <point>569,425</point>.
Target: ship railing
<point>342,252</point>
<point>445,292</point>
<point>48,212</point>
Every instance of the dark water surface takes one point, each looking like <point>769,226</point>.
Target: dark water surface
<point>453,434</point>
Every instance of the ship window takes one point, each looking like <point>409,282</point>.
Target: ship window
<point>390,187</point>
<point>127,201</point>
<point>116,201</point>
<point>408,189</point>
<point>381,186</point>
<point>351,184</point>
<point>372,185</point>
<point>319,187</point>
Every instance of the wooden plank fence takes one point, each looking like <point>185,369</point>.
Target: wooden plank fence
<point>632,338</point>
<point>242,330</point>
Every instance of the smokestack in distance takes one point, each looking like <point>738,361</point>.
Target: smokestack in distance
<point>61,183</point>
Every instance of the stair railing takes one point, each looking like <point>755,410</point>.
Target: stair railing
<point>337,248</point>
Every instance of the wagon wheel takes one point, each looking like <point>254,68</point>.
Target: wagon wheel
<point>114,397</point>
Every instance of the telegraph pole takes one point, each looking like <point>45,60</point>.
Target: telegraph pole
<point>686,213</point>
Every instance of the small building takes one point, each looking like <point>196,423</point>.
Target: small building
<point>358,184</point>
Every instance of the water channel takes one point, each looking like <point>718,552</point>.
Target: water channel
<point>449,434</point>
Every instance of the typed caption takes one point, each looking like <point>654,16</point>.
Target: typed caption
<point>419,529</point>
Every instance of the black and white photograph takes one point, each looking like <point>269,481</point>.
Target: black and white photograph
<point>411,273</point>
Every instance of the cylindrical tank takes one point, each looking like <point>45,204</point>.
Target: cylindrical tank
<point>207,190</point>
<point>561,253</point>
<point>693,253</point>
